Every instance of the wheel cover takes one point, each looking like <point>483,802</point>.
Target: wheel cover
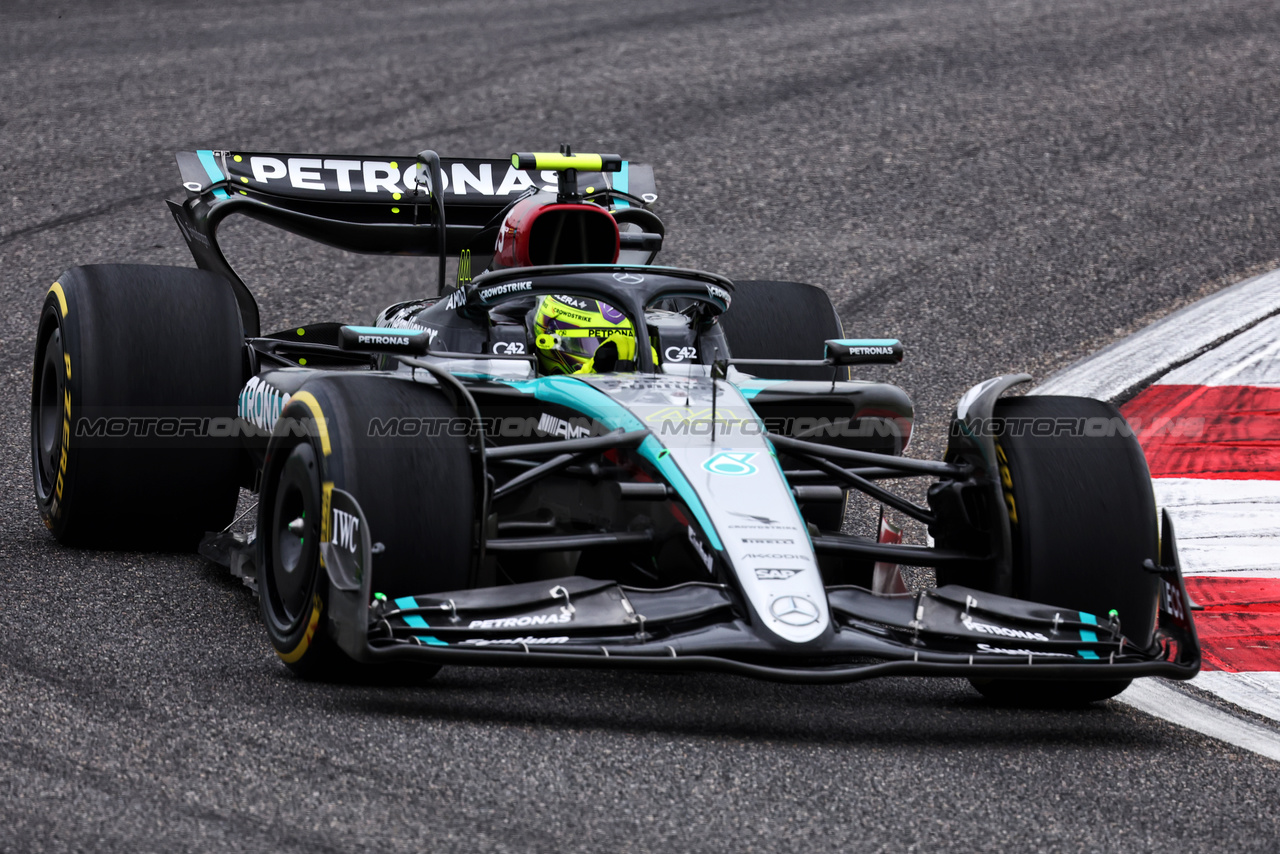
<point>294,533</point>
<point>47,417</point>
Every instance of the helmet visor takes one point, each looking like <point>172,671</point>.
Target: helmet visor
<point>582,341</point>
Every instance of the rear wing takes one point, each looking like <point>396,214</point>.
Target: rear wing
<point>363,203</point>
<point>359,190</point>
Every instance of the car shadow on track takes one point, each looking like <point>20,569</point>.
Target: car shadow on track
<point>892,712</point>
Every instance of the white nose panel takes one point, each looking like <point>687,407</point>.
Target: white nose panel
<point>746,498</point>
<point>763,535</point>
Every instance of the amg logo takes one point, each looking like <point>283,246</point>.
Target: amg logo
<point>552,426</point>
<point>719,293</point>
<point>508,288</point>
<point>455,299</point>
<point>988,629</point>
<point>683,420</point>
<point>777,574</point>
<point>345,526</point>
<point>397,340</point>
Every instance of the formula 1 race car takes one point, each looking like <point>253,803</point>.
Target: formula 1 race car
<point>578,458</point>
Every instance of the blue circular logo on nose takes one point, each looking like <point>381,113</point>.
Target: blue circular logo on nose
<point>731,463</point>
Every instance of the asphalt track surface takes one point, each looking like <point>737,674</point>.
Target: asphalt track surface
<point>1004,185</point>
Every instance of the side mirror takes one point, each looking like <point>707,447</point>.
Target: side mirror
<point>864,351</point>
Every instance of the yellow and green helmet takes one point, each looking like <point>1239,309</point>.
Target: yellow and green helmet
<point>570,329</point>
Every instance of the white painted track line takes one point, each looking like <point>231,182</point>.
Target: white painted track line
<point>1155,697</point>
<point>1257,692</point>
<point>1178,338</point>
<point>1225,527</point>
<point>1251,358</point>
<point>1240,557</point>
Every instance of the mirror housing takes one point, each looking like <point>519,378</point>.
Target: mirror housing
<point>864,351</point>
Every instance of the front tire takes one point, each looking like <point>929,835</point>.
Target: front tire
<point>415,488</point>
<point>786,320</point>
<point>1082,517</point>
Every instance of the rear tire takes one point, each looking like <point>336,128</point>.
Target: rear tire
<point>415,489</point>
<point>786,320</point>
<point>782,320</point>
<point>1083,519</point>
<point>131,363</point>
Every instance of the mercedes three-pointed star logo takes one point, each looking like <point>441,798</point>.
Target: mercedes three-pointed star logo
<point>628,278</point>
<point>794,610</point>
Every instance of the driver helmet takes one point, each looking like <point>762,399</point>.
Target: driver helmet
<point>571,329</point>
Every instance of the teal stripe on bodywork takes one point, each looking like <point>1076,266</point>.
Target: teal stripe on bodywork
<point>211,169</point>
<point>1088,637</point>
<point>593,403</point>
<point>414,621</point>
<point>1086,653</point>
<point>750,388</point>
<point>590,401</point>
<point>621,182</point>
<point>651,449</point>
<point>790,492</point>
<point>210,165</point>
<point>1088,618</point>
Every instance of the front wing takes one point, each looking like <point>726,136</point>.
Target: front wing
<point>583,622</point>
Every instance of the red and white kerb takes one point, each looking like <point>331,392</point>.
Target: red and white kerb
<point>1211,432</point>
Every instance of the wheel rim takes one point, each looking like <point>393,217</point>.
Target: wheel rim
<point>295,535</point>
<point>46,429</point>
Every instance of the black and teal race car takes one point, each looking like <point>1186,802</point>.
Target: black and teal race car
<point>572,456</point>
